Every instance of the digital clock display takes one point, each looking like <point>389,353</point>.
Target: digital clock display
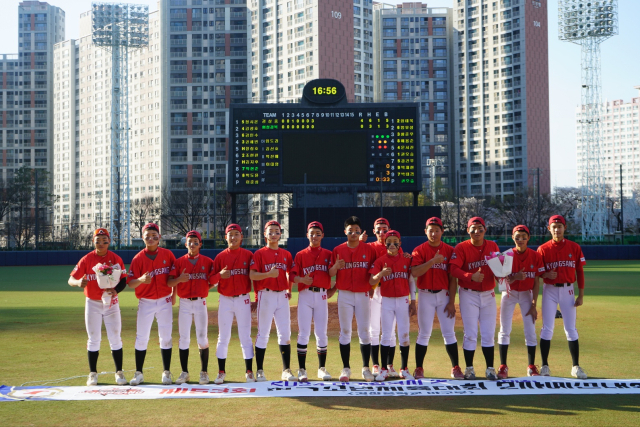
<point>324,91</point>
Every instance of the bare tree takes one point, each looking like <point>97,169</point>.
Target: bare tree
<point>525,208</point>
<point>143,211</point>
<point>186,209</point>
<point>567,202</point>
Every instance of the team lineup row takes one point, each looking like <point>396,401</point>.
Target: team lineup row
<point>376,282</point>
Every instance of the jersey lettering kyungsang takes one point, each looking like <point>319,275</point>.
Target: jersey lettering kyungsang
<point>315,263</point>
<point>198,284</point>
<point>396,284</point>
<point>264,260</point>
<point>355,275</point>
<point>531,263</point>
<point>469,259</point>
<point>237,263</point>
<point>158,268</point>
<point>564,257</point>
<point>85,266</point>
<point>436,277</point>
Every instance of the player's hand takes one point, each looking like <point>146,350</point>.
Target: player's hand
<point>438,258</point>
<point>385,271</point>
<point>287,294</point>
<point>273,273</point>
<point>533,312</point>
<point>145,278</point>
<point>84,281</point>
<point>478,276</point>
<point>371,292</point>
<point>111,291</point>
<point>363,236</point>
<point>307,280</point>
<point>412,308</point>
<point>224,273</point>
<point>511,278</point>
<point>550,274</point>
<point>184,277</point>
<point>254,306</point>
<point>520,275</point>
<point>331,292</point>
<point>450,310</point>
<point>579,301</point>
<point>406,255</point>
<point>339,263</point>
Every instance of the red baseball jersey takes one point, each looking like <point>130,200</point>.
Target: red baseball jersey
<point>437,277</point>
<point>565,257</point>
<point>531,262</point>
<point>158,268</point>
<point>397,283</point>
<point>314,262</point>
<point>237,262</point>
<point>198,284</point>
<point>264,260</point>
<point>358,261</point>
<point>466,259</point>
<point>85,266</point>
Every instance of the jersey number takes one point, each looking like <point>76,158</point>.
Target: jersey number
<point>570,291</point>
<point>324,297</point>
<point>247,301</point>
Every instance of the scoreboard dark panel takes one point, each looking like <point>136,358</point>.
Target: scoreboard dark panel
<point>272,146</point>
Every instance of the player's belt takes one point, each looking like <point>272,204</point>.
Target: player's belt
<point>194,298</point>
<point>271,290</point>
<point>314,289</point>
<point>241,295</point>
<point>562,285</point>
<point>432,291</point>
<point>472,290</point>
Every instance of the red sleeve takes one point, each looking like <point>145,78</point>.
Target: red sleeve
<point>540,270</point>
<point>580,274</point>
<point>581,256</point>
<point>417,258</point>
<point>295,269</point>
<point>334,256</point>
<point>458,273</point>
<point>80,269</point>
<point>174,267</point>
<point>256,262</point>
<point>134,268</point>
<point>375,269</point>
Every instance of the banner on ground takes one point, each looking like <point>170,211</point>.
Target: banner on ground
<point>425,387</point>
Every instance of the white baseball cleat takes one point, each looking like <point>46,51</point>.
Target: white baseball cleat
<point>137,379</point>
<point>249,376</point>
<point>490,373</point>
<point>302,375</point>
<point>578,372</point>
<point>167,378</point>
<point>405,375</point>
<point>392,372</point>
<point>345,375</point>
<point>287,375</point>
<point>92,379</point>
<point>260,376</point>
<point>120,379</point>
<point>545,371</point>
<point>323,374</point>
<point>183,378</point>
<point>382,375</point>
<point>220,378</point>
<point>367,375</point>
<point>469,373</point>
<point>204,378</point>
<point>375,370</point>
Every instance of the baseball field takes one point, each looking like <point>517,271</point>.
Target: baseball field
<point>43,337</point>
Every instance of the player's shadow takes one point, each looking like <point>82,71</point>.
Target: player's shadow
<point>539,405</point>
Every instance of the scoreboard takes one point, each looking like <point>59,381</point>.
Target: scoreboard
<point>335,143</point>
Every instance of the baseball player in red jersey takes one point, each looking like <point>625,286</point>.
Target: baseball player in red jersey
<point>477,295</point>
<point>436,295</point>
<point>392,271</point>
<point>563,261</point>
<point>524,283</point>
<point>269,271</point>
<point>311,272</point>
<point>148,275</point>
<point>350,263</point>
<point>231,274</point>
<point>95,311</point>
<point>190,274</point>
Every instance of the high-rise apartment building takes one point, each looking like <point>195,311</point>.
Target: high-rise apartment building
<point>413,63</point>
<point>501,86</point>
<point>620,145</point>
<point>26,97</point>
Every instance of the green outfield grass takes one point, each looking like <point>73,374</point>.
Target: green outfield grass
<point>42,336</point>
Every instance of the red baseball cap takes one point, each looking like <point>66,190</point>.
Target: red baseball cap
<point>557,218</point>
<point>102,232</point>
<point>151,226</point>
<point>392,233</point>
<point>434,220</point>
<point>521,228</point>
<point>476,220</point>
<point>233,227</point>
<point>381,221</point>
<point>194,233</point>
<point>269,223</point>
<point>315,224</point>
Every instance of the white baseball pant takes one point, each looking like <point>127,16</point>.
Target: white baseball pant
<point>240,307</point>
<point>313,306</point>
<point>478,307</point>
<point>350,303</point>
<point>376,320</point>
<point>94,314</point>
<point>430,304</point>
<point>160,309</point>
<point>193,312</point>
<point>553,296</point>
<point>395,310</point>
<point>273,305</point>
<point>507,306</point>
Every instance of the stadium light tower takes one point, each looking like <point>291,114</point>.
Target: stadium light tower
<point>119,28</point>
<point>589,23</point>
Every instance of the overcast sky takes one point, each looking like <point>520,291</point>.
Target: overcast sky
<point>620,69</point>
